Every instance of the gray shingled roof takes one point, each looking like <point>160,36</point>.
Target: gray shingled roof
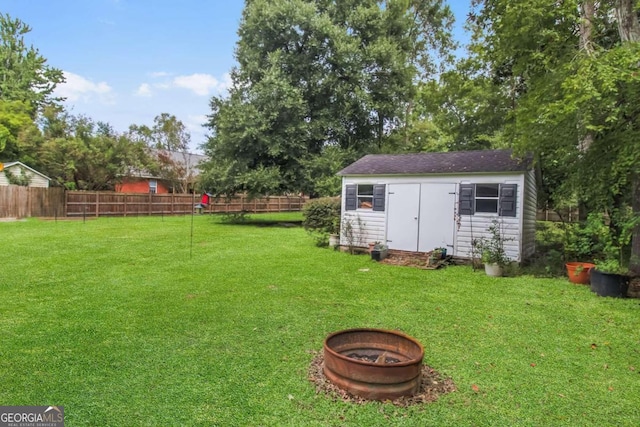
<point>437,163</point>
<point>189,161</point>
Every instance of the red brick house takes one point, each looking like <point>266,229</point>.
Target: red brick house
<point>179,170</point>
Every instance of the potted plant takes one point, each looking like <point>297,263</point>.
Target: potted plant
<point>579,272</point>
<point>578,243</point>
<point>379,251</point>
<point>437,255</point>
<point>491,251</point>
<point>609,279</point>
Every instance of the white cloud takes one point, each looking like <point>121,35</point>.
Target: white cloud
<point>77,88</point>
<point>159,74</point>
<point>194,122</point>
<point>144,90</point>
<point>202,84</point>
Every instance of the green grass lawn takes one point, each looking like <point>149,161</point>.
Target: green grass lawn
<point>124,322</point>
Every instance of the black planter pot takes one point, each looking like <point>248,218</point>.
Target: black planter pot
<point>378,254</point>
<point>609,284</point>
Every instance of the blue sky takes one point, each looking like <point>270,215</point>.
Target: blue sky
<point>127,61</point>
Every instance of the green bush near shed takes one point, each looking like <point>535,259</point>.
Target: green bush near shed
<point>322,218</point>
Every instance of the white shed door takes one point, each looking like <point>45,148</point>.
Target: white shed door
<point>403,211</point>
<point>437,222</point>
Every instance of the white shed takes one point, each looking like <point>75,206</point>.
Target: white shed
<point>23,172</point>
<point>419,202</point>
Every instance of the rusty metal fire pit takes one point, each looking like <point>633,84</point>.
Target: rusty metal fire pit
<point>374,363</point>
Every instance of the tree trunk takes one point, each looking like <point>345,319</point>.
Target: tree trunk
<point>587,11</point>
<point>629,30</point>
<point>634,260</point>
<point>628,25</point>
<point>380,129</point>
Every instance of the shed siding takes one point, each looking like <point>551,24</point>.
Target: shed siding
<point>529,215</point>
<point>473,227</point>
<point>368,226</point>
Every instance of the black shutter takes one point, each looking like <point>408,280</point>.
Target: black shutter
<point>467,197</point>
<point>507,202</point>
<point>378,197</point>
<point>351,197</point>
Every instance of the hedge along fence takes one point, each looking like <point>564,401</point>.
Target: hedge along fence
<point>99,203</point>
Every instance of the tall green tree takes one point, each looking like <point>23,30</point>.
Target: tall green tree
<point>167,133</point>
<point>168,140</point>
<point>314,74</point>
<point>573,72</point>
<point>85,155</point>
<point>462,110</point>
<point>24,73</point>
<point>15,123</point>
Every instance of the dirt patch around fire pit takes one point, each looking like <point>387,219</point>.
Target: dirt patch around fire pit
<point>433,386</point>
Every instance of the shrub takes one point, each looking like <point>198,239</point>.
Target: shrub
<point>235,217</point>
<point>492,250</point>
<point>322,217</point>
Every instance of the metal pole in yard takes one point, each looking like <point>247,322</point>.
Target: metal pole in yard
<point>193,203</point>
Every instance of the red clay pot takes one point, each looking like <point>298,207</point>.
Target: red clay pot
<point>579,272</point>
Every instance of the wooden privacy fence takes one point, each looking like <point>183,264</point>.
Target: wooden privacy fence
<point>566,215</point>
<point>92,203</point>
<point>19,202</point>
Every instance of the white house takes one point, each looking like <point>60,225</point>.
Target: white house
<point>23,172</point>
<point>419,202</point>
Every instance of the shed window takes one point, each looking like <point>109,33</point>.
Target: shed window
<point>487,198</point>
<point>365,196</point>
<point>153,186</point>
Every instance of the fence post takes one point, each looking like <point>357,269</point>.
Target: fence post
<point>97,204</point>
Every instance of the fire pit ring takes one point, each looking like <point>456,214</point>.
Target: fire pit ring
<point>376,364</point>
